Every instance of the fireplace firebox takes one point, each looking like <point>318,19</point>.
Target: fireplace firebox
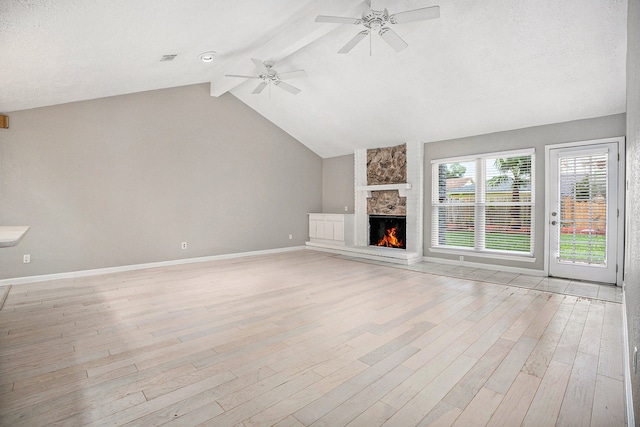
<point>387,230</point>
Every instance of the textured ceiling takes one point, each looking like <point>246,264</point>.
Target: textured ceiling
<point>481,67</point>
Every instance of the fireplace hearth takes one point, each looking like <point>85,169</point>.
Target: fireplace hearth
<point>388,231</point>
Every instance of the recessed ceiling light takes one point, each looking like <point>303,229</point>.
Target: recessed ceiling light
<point>207,56</point>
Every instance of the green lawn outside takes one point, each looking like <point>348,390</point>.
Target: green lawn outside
<point>585,247</point>
<point>580,249</point>
<point>499,241</point>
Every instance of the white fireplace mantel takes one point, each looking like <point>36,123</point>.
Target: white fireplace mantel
<point>402,188</point>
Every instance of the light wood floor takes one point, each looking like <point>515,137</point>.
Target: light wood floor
<point>305,338</point>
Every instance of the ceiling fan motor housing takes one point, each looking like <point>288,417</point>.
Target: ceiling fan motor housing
<point>375,19</point>
<point>272,74</point>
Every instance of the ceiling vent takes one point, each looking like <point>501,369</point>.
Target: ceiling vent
<point>168,57</point>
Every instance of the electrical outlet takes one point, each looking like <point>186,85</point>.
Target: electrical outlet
<point>290,236</point>
<point>26,258</point>
<point>461,258</point>
<point>346,209</point>
<point>184,245</point>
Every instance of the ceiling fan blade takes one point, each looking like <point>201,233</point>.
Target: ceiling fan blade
<point>338,20</point>
<point>259,88</point>
<point>262,69</point>
<point>292,75</point>
<point>393,39</point>
<point>354,41</point>
<point>287,87</point>
<point>423,14</point>
<point>244,77</point>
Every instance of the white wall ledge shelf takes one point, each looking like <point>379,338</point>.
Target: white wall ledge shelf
<point>11,235</point>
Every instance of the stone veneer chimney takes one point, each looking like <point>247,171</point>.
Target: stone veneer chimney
<point>387,166</point>
<point>389,181</point>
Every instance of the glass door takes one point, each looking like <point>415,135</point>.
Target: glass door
<point>583,221</point>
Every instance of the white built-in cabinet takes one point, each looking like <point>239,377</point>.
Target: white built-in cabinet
<point>333,229</point>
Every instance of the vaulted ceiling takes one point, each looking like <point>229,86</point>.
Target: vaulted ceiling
<point>483,66</point>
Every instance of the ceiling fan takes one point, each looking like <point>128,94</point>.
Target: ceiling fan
<point>268,74</point>
<point>376,20</point>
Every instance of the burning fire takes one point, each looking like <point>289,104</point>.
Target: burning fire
<point>390,239</point>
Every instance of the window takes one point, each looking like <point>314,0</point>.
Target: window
<point>484,203</point>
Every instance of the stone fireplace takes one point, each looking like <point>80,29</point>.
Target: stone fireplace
<point>388,183</point>
<point>388,208</point>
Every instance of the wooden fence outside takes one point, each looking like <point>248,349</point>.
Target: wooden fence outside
<point>584,216</point>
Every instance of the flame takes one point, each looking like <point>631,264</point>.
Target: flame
<point>390,239</point>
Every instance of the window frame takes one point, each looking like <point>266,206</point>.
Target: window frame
<point>479,206</point>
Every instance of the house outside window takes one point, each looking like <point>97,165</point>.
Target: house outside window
<point>484,203</point>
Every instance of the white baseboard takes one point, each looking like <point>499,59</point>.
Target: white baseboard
<point>628,393</point>
<point>108,270</point>
<point>507,269</point>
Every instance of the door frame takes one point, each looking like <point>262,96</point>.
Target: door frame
<point>621,199</point>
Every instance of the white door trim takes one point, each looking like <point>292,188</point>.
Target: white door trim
<point>621,200</point>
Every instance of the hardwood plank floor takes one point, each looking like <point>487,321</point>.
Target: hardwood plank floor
<point>306,338</point>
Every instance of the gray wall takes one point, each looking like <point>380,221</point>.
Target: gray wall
<point>534,137</point>
<point>632,243</point>
<point>338,184</point>
<point>124,180</point>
